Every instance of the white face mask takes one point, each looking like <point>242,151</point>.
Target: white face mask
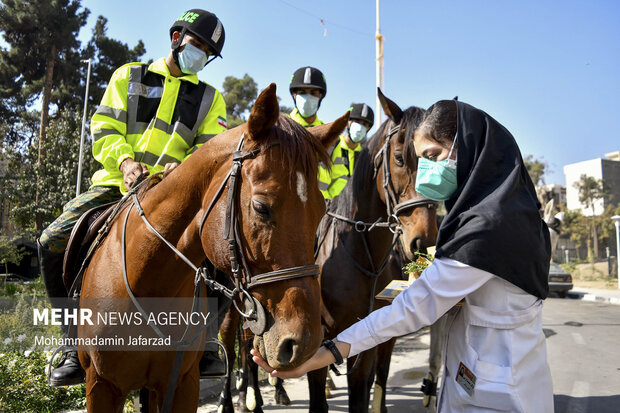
<point>192,59</point>
<point>357,131</point>
<point>306,104</point>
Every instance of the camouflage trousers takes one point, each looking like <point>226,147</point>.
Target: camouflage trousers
<point>56,236</point>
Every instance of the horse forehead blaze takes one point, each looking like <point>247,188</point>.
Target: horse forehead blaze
<point>302,187</point>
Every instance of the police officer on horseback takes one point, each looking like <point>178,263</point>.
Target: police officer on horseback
<point>345,152</point>
<point>151,118</point>
<point>308,88</point>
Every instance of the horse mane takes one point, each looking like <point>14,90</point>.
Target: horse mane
<point>298,147</point>
<point>364,165</point>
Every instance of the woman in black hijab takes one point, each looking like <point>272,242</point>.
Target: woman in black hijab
<point>493,253</point>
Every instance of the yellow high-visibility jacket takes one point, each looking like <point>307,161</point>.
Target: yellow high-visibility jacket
<point>299,119</point>
<point>332,182</point>
<point>152,117</point>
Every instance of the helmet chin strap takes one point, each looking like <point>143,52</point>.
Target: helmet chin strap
<point>177,46</point>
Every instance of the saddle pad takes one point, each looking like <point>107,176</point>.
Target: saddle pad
<point>83,234</point>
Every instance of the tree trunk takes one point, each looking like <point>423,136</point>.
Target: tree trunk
<point>45,106</point>
<point>595,240</point>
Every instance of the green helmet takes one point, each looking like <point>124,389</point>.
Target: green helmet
<point>204,25</point>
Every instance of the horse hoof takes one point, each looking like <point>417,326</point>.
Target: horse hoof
<point>282,397</point>
<point>329,382</point>
<point>328,393</point>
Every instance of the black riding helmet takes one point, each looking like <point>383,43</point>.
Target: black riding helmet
<point>363,112</point>
<point>308,77</point>
<point>202,24</point>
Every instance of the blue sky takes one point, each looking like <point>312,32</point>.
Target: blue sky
<point>547,70</point>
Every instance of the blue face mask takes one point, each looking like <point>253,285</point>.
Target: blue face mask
<point>192,59</point>
<point>306,104</point>
<point>436,180</point>
<point>357,131</point>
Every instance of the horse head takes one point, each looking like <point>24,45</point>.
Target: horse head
<point>396,179</point>
<point>278,207</point>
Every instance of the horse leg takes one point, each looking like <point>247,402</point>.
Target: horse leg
<point>101,395</point>
<point>438,340</point>
<point>228,332</point>
<point>316,387</point>
<point>242,381</point>
<point>384,356</point>
<point>360,381</point>
<point>254,399</point>
<point>281,395</point>
<point>187,393</point>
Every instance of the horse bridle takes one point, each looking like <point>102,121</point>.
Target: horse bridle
<point>393,207</point>
<point>393,210</point>
<point>243,277</point>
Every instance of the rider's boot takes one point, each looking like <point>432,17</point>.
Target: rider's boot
<point>211,365</point>
<point>69,371</point>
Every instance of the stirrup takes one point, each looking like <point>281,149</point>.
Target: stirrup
<point>225,360</point>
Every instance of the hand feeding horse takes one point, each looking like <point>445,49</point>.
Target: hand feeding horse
<point>254,186</point>
<point>376,210</point>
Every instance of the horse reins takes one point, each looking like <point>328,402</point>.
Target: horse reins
<point>393,210</point>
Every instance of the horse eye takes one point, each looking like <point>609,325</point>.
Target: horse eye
<point>261,209</point>
<point>398,158</point>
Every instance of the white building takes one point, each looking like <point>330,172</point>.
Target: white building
<point>607,169</point>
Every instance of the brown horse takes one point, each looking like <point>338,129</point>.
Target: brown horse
<point>268,212</point>
<point>355,248</point>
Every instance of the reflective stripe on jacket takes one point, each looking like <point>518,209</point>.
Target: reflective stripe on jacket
<point>332,182</point>
<point>154,118</point>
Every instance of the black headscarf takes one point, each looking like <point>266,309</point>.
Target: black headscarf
<point>493,221</point>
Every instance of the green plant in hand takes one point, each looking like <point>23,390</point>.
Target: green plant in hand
<point>420,264</point>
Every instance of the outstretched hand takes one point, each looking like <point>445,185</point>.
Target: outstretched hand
<point>283,374</point>
<point>322,358</point>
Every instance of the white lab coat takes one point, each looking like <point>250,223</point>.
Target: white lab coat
<point>497,335</point>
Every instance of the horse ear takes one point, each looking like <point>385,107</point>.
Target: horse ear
<point>548,214</point>
<point>329,133</point>
<point>390,108</point>
<point>264,113</point>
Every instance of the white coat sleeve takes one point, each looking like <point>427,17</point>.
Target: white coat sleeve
<point>439,288</point>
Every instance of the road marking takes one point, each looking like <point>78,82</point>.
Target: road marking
<point>578,338</point>
<point>579,397</point>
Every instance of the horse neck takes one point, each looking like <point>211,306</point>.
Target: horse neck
<point>173,207</point>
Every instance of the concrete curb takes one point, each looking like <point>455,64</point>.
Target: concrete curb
<point>594,297</point>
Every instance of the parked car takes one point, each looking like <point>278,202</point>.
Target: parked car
<point>560,281</point>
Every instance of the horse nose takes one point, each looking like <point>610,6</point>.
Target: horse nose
<point>416,244</point>
<point>287,350</point>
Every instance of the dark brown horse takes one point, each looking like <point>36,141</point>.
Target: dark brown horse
<point>265,201</point>
<point>355,248</point>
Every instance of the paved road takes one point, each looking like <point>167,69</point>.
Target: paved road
<point>583,344</point>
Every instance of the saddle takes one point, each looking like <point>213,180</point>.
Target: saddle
<point>82,236</point>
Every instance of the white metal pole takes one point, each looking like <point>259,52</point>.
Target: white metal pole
<point>379,57</point>
<point>616,219</point>
<point>81,156</point>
